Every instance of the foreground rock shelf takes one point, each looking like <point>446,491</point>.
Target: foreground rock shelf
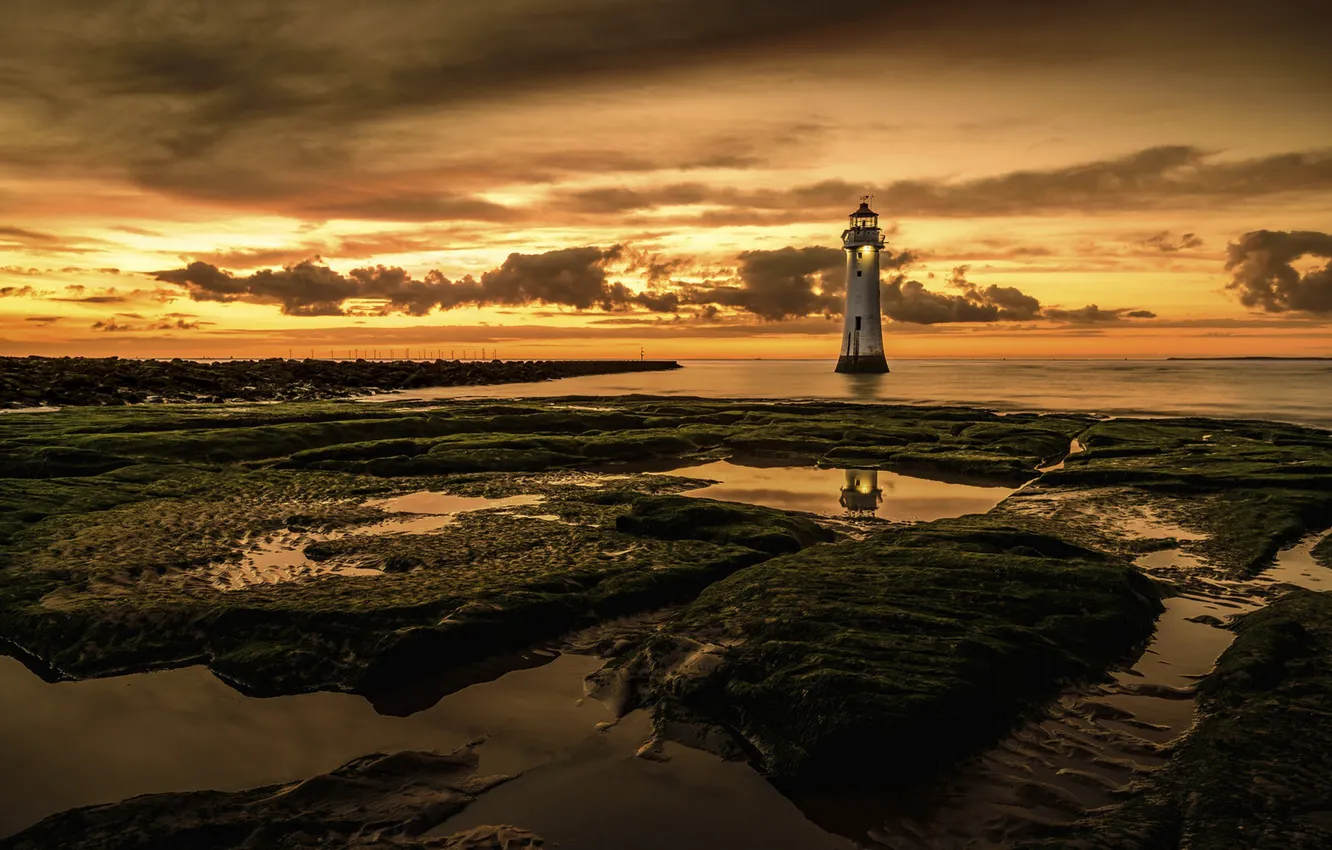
<point>883,661</point>
<point>376,801</point>
<point>78,381</point>
<point>831,651</point>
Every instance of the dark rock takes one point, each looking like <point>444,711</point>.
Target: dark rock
<point>370,802</point>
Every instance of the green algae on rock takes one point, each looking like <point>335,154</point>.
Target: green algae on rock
<point>373,801</point>
<point>114,517</point>
<point>1252,487</point>
<point>1253,772</point>
<point>854,662</point>
<point>681,518</point>
<point>880,661</point>
<point>131,587</point>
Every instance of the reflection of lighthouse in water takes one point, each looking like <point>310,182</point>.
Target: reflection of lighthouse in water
<point>861,492</point>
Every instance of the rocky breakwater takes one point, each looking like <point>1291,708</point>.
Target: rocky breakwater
<point>75,381</point>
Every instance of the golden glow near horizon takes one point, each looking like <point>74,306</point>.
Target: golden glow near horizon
<point>1059,197</point>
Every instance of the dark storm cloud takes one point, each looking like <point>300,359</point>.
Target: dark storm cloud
<point>265,101</point>
<point>1264,274</point>
<point>907,300</point>
<point>782,285</point>
<point>570,277</point>
<point>269,102</point>
<point>1153,178</point>
<point>786,283</point>
<point>1150,178</point>
<point>910,301</point>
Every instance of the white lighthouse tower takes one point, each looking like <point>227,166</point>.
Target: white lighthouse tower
<point>862,335</point>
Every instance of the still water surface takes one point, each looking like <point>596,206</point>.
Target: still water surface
<point>835,492</point>
<point>1284,390</point>
<point>101,740</point>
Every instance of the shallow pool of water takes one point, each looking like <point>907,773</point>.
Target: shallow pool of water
<point>439,504</point>
<point>102,740</point>
<point>280,557</point>
<point>841,492</point>
<point>581,786</point>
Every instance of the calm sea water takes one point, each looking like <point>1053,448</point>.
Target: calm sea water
<point>1287,391</point>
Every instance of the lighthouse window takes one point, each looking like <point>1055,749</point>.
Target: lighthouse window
<point>857,323</point>
<point>859,273</point>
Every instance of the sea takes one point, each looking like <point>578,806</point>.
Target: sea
<point>1297,391</point>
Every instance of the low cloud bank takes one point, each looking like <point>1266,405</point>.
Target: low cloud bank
<point>773,286</point>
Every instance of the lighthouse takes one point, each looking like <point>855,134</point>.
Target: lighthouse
<point>862,332</point>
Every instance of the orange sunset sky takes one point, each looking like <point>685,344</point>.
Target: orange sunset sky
<point>574,178</point>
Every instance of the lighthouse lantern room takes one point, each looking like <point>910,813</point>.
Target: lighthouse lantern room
<point>862,332</point>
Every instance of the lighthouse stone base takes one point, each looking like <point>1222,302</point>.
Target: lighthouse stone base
<point>864,364</point>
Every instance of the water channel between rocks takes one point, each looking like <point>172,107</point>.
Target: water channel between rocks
<point>1092,741</point>
<point>102,740</point>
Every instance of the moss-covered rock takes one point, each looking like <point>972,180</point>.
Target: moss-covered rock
<point>680,518</point>
<point>135,586</point>
<point>373,801</point>
<point>1254,487</point>
<point>1253,772</point>
<point>880,661</point>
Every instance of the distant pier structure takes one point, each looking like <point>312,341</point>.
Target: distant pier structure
<point>862,334</point>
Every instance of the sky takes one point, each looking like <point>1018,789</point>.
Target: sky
<point>600,178</point>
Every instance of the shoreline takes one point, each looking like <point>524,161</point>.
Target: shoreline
<point>31,382</point>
